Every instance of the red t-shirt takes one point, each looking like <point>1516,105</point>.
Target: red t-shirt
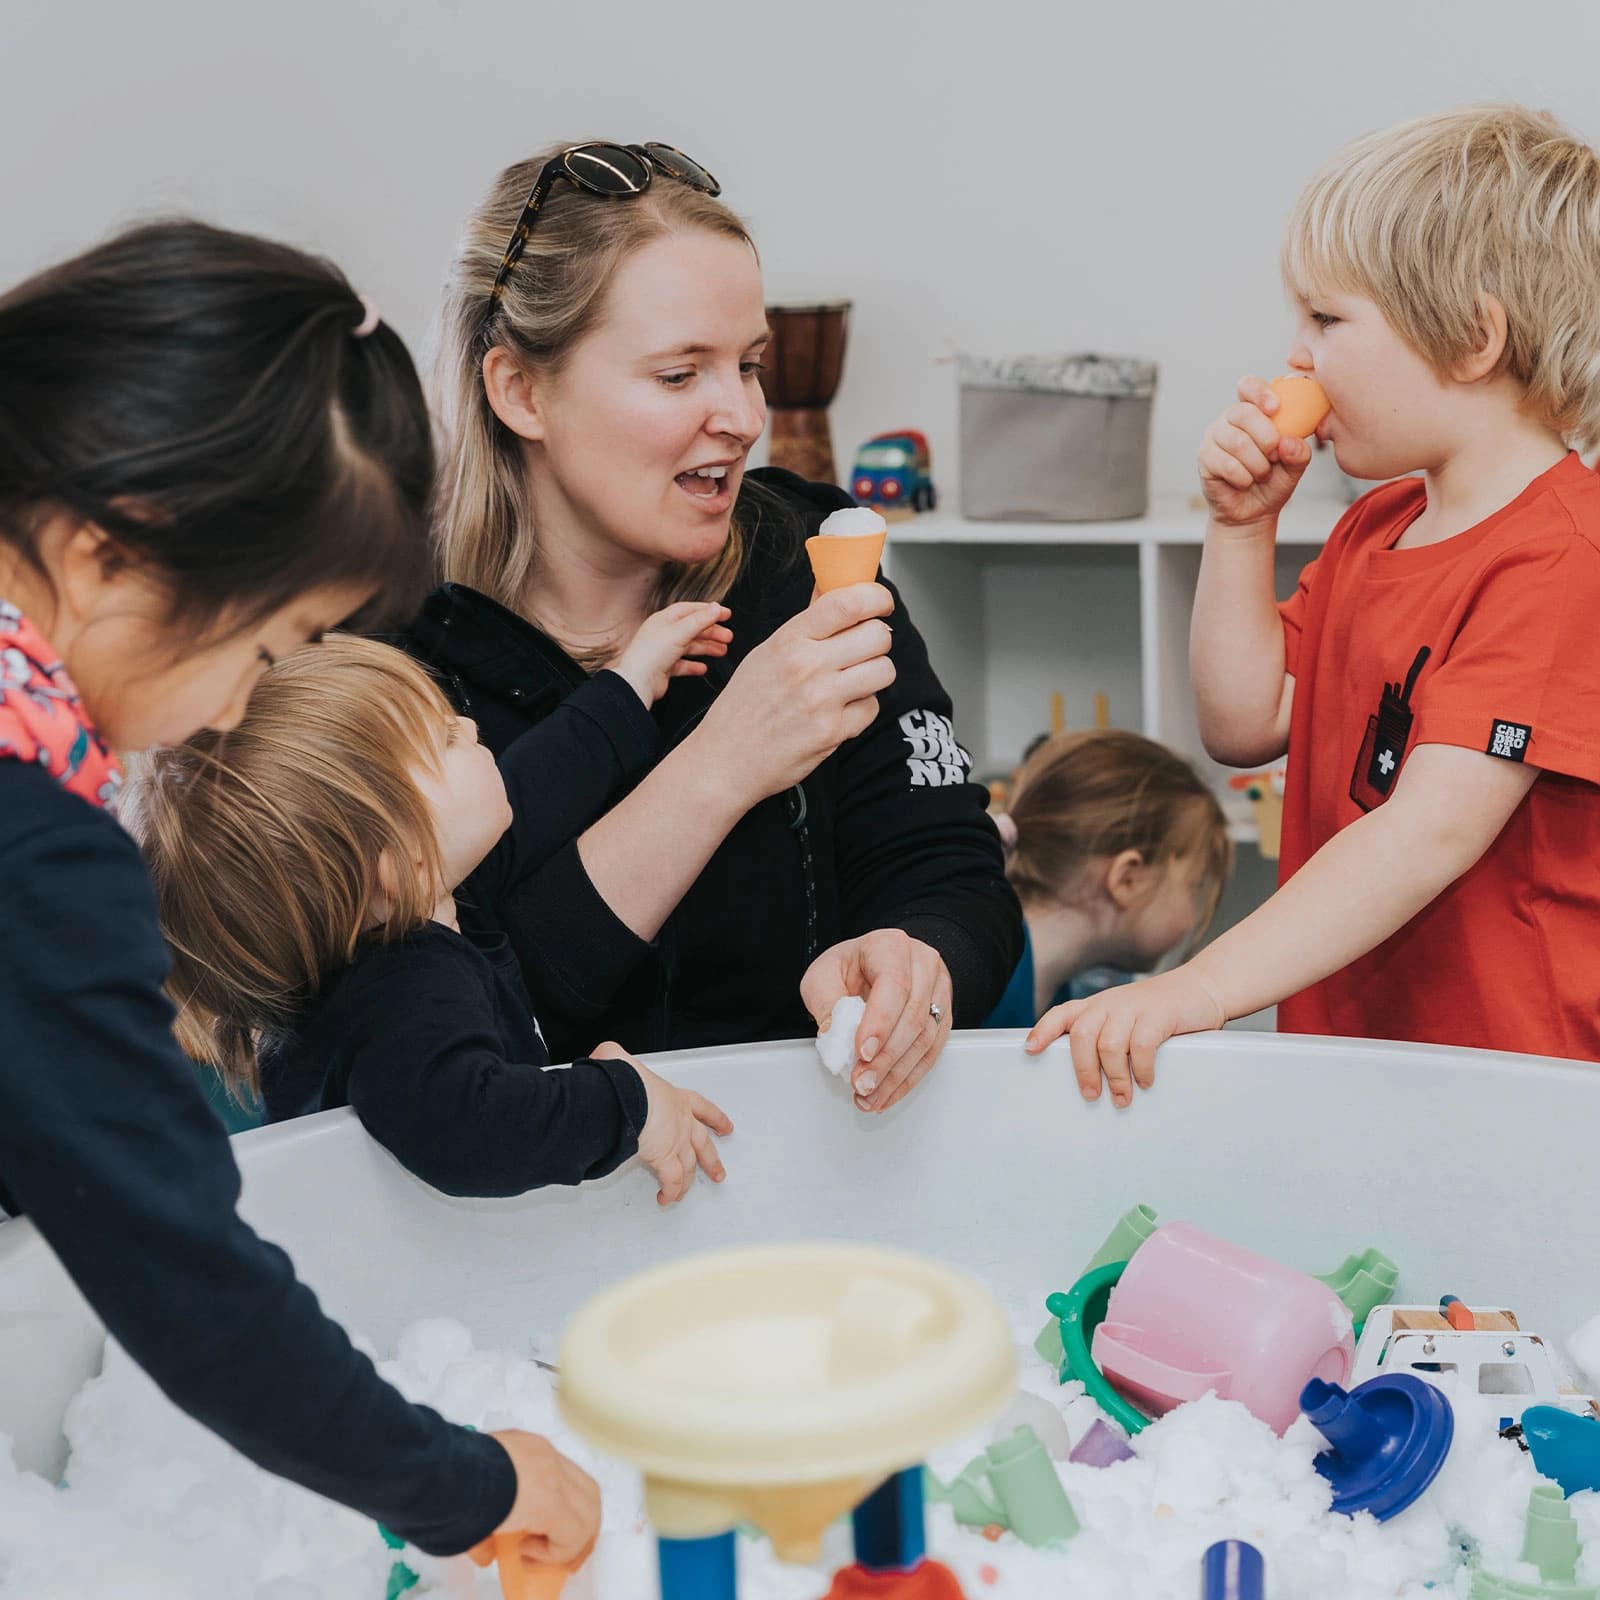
<point>1508,612</point>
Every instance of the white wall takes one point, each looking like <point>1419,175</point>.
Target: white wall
<point>992,176</point>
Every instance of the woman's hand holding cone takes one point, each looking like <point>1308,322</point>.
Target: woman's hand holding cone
<point>803,692</point>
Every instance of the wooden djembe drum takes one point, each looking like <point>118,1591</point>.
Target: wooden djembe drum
<point>804,363</point>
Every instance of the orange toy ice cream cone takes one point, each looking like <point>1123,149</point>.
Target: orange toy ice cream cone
<point>1302,404</point>
<point>519,1579</point>
<point>847,549</point>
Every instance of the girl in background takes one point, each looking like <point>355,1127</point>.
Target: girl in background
<point>1118,852</point>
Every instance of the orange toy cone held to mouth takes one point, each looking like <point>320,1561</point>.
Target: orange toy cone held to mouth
<point>847,548</point>
<point>519,1579</point>
<point>1302,404</point>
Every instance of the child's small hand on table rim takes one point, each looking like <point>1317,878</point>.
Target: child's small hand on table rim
<point>675,1142</point>
<point>1118,1031</point>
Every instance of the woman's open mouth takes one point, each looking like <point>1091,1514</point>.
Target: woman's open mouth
<point>709,486</point>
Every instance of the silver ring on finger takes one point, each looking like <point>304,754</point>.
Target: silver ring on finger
<point>935,1011</point>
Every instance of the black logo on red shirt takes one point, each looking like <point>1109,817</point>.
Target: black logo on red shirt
<point>1509,740</point>
<point>1384,747</point>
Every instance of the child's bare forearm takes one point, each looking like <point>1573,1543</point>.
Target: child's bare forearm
<point>1236,660</point>
<point>1368,880</point>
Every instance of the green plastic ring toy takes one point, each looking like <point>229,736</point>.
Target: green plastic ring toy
<point>1080,1311</point>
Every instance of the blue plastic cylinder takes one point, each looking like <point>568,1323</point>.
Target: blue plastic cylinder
<point>698,1569</point>
<point>888,1524</point>
<point>1232,1570</point>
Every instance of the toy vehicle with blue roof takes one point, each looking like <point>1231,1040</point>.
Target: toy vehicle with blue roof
<point>894,471</point>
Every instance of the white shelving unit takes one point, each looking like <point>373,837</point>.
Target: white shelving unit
<point>1014,611</point>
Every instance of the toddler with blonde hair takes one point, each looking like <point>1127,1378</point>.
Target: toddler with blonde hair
<point>332,877</point>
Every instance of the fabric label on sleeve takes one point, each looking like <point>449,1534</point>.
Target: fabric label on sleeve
<point>1509,740</point>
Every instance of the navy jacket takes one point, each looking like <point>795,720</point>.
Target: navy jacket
<point>107,1143</point>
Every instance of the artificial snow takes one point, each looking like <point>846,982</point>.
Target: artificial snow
<point>1584,1348</point>
<point>156,1508</point>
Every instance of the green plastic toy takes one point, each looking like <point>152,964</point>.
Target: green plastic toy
<point>965,1496</point>
<point>1131,1231</point>
<point>1024,1496</point>
<point>1551,1544</point>
<point>401,1578</point>
<point>1078,1313</point>
<point>1364,1282</point>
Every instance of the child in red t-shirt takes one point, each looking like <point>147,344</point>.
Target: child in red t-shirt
<point>1434,679</point>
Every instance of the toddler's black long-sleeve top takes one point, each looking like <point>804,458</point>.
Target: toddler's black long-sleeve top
<point>431,1037</point>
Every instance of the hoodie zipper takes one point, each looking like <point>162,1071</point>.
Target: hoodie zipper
<point>798,811</point>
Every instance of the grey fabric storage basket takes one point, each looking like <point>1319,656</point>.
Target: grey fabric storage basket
<point>1055,438</point>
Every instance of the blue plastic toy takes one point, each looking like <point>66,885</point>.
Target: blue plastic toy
<point>1388,1438</point>
<point>699,1566</point>
<point>1232,1570</point>
<point>1564,1446</point>
<point>888,1525</point>
<point>892,469</point>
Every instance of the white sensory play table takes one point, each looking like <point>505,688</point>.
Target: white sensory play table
<point>1475,1171</point>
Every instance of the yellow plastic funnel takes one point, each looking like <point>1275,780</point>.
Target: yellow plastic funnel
<point>781,1385</point>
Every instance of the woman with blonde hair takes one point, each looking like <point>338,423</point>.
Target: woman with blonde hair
<point>805,827</point>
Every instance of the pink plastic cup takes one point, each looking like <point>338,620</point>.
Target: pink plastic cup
<point>1194,1313</point>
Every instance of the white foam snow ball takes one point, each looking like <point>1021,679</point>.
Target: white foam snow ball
<point>837,1043</point>
<point>854,522</point>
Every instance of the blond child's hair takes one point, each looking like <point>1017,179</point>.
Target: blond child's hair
<point>264,841</point>
<point>1427,218</point>
<point>1081,797</point>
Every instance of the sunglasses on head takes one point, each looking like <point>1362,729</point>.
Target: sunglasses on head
<point>612,171</point>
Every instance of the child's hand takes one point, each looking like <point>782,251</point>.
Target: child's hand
<point>676,1138</point>
<point>658,651</point>
<point>1247,472</point>
<point>557,1509</point>
<point>1118,1031</point>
